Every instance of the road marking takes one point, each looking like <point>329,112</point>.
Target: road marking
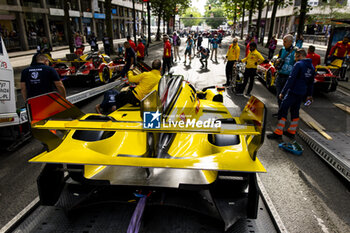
<point>343,91</point>
<point>20,215</point>
<point>343,107</point>
<point>271,208</point>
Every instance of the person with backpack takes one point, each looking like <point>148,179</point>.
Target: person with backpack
<point>176,44</point>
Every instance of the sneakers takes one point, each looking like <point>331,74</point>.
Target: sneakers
<point>290,135</point>
<point>273,136</point>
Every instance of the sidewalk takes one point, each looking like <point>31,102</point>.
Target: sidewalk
<point>321,48</point>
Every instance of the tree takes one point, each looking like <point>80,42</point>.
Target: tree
<point>276,4</point>
<point>164,9</point>
<point>258,22</point>
<point>302,16</point>
<point>243,12</point>
<point>69,27</point>
<point>109,28</point>
<point>251,11</point>
<point>214,8</point>
<point>191,13</point>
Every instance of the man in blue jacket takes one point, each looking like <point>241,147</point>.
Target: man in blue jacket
<point>299,84</point>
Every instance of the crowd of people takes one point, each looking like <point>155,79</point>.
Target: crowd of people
<point>294,80</point>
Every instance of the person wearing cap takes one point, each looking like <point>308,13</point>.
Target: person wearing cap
<point>215,43</point>
<point>166,54</point>
<point>253,59</point>
<point>232,56</point>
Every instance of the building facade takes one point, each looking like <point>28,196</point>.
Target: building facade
<point>287,21</point>
<point>23,23</point>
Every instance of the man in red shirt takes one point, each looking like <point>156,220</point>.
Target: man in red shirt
<point>131,42</point>
<point>140,50</point>
<point>167,54</point>
<point>340,49</point>
<point>315,58</point>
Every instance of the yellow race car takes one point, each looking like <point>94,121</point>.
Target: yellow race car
<point>177,139</point>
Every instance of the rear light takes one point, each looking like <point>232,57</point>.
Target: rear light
<point>7,119</point>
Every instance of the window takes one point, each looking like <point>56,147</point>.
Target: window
<point>31,3</point>
<point>54,4</point>
<point>85,5</point>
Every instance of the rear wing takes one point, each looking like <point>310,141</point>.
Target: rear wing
<point>255,113</point>
<point>50,106</point>
<point>52,111</point>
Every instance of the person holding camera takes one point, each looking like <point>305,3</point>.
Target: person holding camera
<point>284,65</point>
<point>299,84</point>
<point>204,55</point>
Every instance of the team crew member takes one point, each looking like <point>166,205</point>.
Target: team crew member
<point>108,104</point>
<point>145,81</point>
<point>232,56</point>
<point>167,54</point>
<point>40,79</point>
<point>253,59</point>
<point>129,59</point>
<point>315,58</point>
<point>131,42</point>
<point>140,50</point>
<point>340,49</point>
<point>284,63</point>
<point>299,84</point>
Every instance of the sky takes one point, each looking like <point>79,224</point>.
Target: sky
<point>199,4</point>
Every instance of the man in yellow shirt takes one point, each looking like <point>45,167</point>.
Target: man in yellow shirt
<point>232,56</point>
<point>145,81</point>
<point>253,59</point>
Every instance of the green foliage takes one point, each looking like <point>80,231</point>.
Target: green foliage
<point>192,22</point>
<point>217,10</point>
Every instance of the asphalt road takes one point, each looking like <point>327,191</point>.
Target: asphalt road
<point>308,195</point>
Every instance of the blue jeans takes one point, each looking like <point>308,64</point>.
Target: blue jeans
<point>290,102</point>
